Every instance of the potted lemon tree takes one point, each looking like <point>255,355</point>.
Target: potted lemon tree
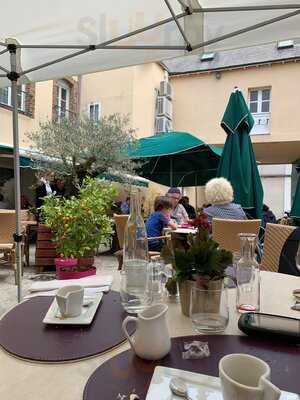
<point>79,225</point>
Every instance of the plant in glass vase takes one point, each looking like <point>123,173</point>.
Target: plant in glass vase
<point>79,224</point>
<point>202,264</point>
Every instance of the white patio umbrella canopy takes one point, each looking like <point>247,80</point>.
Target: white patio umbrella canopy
<point>43,40</point>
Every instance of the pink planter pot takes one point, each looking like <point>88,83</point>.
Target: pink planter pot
<point>64,263</point>
<point>86,261</point>
<point>76,274</point>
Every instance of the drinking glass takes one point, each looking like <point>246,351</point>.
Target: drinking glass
<point>155,284</point>
<point>209,310</point>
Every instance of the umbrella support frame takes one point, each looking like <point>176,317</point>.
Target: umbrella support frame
<point>14,76</point>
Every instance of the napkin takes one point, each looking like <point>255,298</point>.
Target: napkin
<point>89,282</point>
<point>89,292</point>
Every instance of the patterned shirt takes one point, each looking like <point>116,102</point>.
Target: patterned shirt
<point>225,211</point>
<point>180,215</point>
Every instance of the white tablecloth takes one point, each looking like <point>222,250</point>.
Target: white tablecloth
<point>21,380</point>
<point>185,231</point>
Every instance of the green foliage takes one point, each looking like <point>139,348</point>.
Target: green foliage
<point>203,257</point>
<point>80,224</point>
<point>81,147</point>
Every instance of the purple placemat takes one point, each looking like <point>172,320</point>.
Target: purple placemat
<point>126,372</point>
<point>23,334</point>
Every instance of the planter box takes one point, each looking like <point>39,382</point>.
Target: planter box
<point>45,248</point>
<point>86,261</point>
<point>76,274</point>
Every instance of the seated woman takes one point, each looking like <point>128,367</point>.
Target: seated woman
<point>158,220</point>
<point>219,193</point>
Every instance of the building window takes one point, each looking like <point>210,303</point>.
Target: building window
<point>5,97</point>
<point>63,101</point>
<point>259,104</point>
<point>94,111</point>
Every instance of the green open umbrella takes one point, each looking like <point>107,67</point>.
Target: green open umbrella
<point>176,159</point>
<point>238,163</point>
<point>295,211</point>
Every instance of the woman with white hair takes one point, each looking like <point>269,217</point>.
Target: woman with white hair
<point>219,193</point>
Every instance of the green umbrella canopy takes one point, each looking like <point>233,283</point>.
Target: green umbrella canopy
<point>176,159</point>
<point>8,151</point>
<point>238,163</point>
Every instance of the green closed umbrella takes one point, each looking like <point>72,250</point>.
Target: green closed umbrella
<point>295,211</point>
<point>238,163</point>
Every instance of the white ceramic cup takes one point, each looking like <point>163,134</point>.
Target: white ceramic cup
<point>70,300</point>
<point>244,377</point>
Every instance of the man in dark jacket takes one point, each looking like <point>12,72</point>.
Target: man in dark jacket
<point>268,216</point>
<point>185,201</point>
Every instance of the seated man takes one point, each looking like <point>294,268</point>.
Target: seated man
<point>178,211</point>
<point>185,201</point>
<point>158,220</point>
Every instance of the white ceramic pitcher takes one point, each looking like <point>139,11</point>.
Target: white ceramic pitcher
<point>151,340</point>
<point>70,300</point>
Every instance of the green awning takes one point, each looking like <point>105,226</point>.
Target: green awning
<point>125,179</point>
<point>176,159</point>
<point>7,151</point>
<point>238,163</point>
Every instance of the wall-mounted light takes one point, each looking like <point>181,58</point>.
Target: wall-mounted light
<point>218,75</point>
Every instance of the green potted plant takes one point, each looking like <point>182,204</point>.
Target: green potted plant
<point>203,264</point>
<point>78,225</point>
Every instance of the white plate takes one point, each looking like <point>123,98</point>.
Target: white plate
<point>53,315</point>
<point>201,387</point>
<point>185,230</point>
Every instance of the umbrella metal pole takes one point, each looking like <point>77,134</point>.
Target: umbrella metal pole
<point>13,76</point>
<point>196,193</point>
<point>171,171</point>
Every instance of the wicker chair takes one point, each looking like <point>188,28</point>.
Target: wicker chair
<point>7,244</point>
<point>275,237</point>
<point>120,221</point>
<point>226,231</point>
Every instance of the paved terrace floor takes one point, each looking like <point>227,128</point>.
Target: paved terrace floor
<point>8,289</point>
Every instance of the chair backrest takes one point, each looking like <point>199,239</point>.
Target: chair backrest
<point>25,215</point>
<point>275,237</point>
<point>226,231</point>
<point>120,221</point>
<point>7,226</point>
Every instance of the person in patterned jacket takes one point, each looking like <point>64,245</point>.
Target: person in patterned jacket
<point>219,193</point>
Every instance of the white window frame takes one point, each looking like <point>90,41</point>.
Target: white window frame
<point>262,118</point>
<point>93,104</point>
<point>63,86</point>
<point>259,99</point>
<point>23,97</point>
<point>23,93</point>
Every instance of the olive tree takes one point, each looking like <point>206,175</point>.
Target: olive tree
<point>76,148</point>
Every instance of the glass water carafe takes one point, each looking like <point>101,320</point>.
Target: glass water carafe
<point>135,258</point>
<point>247,275</point>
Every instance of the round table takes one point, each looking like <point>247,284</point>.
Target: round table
<point>23,380</point>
